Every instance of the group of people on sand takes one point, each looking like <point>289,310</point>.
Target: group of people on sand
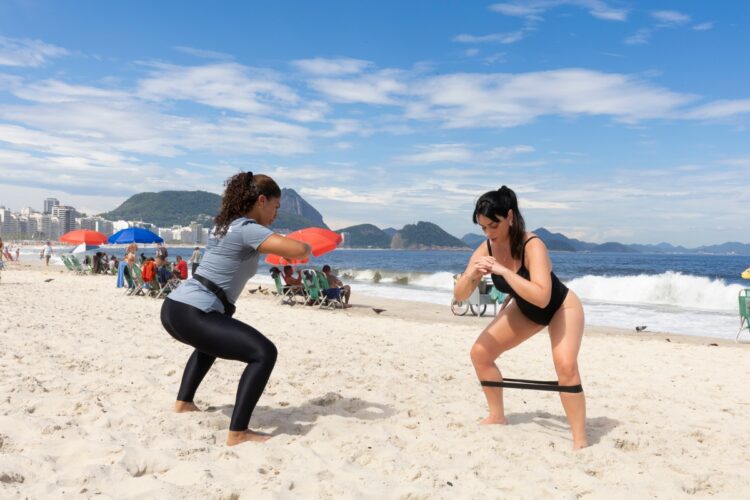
<point>336,288</point>
<point>199,313</point>
<point>157,267</point>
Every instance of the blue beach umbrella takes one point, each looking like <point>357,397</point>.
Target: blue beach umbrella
<point>134,235</point>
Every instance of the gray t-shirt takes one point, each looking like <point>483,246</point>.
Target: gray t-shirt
<point>229,262</point>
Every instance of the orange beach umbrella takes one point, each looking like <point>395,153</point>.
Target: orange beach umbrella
<point>84,236</point>
<point>321,241</point>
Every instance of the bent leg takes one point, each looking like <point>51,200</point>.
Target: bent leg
<point>506,331</point>
<point>215,335</point>
<point>566,333</point>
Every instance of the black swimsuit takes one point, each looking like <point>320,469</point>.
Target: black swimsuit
<point>538,315</point>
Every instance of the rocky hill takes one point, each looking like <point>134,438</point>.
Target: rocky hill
<point>170,208</point>
<point>365,236</point>
<point>425,235</point>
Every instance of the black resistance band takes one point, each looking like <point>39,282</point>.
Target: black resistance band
<point>537,385</point>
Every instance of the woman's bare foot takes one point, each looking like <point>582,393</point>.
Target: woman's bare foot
<point>493,420</point>
<point>237,437</point>
<point>183,406</point>
<point>577,445</point>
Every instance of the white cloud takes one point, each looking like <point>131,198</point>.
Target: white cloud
<point>670,17</point>
<point>204,54</point>
<point>332,67</point>
<point>703,26</point>
<point>342,195</point>
<point>641,37</point>
<point>381,87</point>
<point>23,52</point>
<point>720,109</point>
<point>508,100</point>
<point>502,38</point>
<point>224,86</point>
<point>533,9</point>
<point>438,153</point>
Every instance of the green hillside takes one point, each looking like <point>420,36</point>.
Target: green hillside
<point>180,208</point>
<point>365,236</point>
<point>168,208</point>
<point>425,235</point>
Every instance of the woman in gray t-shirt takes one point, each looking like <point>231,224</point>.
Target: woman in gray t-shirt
<point>199,312</point>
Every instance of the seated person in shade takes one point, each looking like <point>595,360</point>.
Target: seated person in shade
<point>289,278</point>
<point>162,272</point>
<point>181,268</point>
<point>148,271</point>
<point>334,282</point>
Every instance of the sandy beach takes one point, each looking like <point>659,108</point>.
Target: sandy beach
<point>361,405</point>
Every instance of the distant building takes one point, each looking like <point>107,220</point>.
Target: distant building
<point>66,216</point>
<point>49,204</point>
<point>7,222</point>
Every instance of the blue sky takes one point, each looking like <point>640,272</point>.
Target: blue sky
<point>613,120</point>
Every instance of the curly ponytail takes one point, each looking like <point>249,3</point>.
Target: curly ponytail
<point>240,195</point>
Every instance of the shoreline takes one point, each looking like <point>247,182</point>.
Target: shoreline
<point>428,312</point>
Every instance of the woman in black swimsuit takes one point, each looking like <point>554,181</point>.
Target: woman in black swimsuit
<point>519,265</point>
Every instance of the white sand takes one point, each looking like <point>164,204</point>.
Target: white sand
<point>361,405</point>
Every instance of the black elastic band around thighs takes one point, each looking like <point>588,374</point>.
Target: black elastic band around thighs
<point>537,385</point>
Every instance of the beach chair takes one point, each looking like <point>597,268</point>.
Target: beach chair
<point>744,303</point>
<point>313,292</point>
<point>163,290</point>
<point>66,262</point>
<point>287,293</point>
<point>140,286</point>
<point>331,297</point>
<point>80,268</point>
<point>129,280</point>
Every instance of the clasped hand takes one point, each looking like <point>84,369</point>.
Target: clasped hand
<point>486,265</point>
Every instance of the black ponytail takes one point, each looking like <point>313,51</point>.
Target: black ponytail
<point>496,204</point>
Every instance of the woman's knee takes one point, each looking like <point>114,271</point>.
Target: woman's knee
<point>480,355</point>
<point>269,353</point>
<point>567,370</point>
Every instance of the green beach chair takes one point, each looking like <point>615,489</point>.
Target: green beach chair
<point>331,297</point>
<point>287,293</point>
<point>744,303</point>
<point>80,268</point>
<point>66,262</point>
<point>140,285</point>
<point>312,287</point>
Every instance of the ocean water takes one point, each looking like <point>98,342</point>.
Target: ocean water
<point>687,294</point>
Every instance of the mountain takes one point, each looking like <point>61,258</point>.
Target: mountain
<point>611,246</point>
<point>168,208</point>
<point>365,236</point>
<point>180,208</point>
<point>473,240</point>
<point>424,235</point>
<point>301,211</point>
<point>390,231</point>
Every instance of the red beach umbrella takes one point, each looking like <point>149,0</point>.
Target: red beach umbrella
<point>321,241</point>
<point>84,236</point>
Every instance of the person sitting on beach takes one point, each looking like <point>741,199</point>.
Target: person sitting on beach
<point>161,251</point>
<point>148,271</point>
<point>132,248</point>
<point>113,263</point>
<point>162,271</point>
<point>199,312</point>
<point>335,282</point>
<point>519,265</point>
<point>289,278</point>
<point>181,268</point>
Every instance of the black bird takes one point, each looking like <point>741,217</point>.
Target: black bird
<point>49,279</point>
<point>640,328</point>
<point>378,310</point>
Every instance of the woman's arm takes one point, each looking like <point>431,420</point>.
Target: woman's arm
<point>538,288</point>
<point>285,247</point>
<point>469,280</point>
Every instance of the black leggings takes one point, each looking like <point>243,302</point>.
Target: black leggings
<point>215,335</point>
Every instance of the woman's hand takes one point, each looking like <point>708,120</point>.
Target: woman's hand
<point>488,264</point>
